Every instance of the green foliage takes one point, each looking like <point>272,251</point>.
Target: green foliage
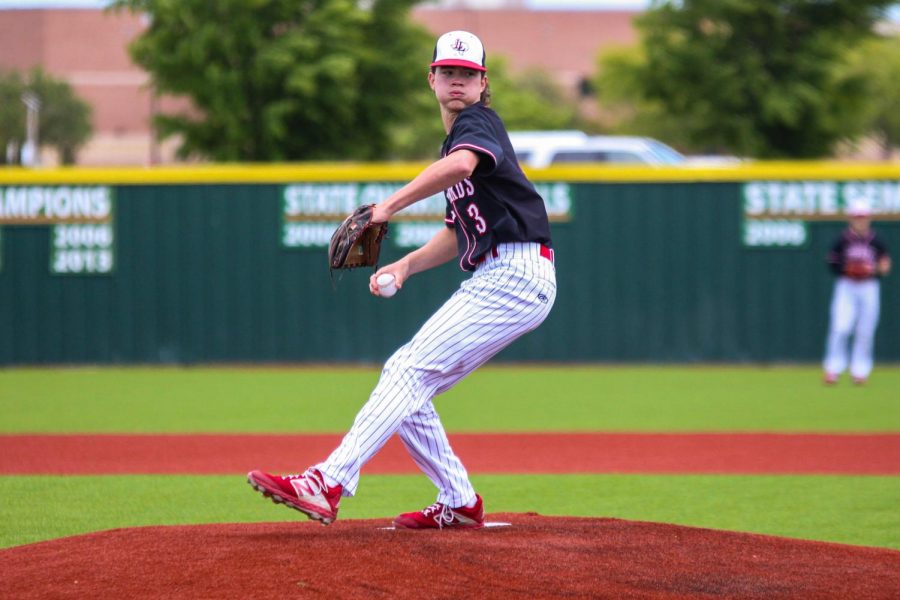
<point>619,88</point>
<point>529,99</point>
<point>419,137</point>
<point>277,80</point>
<point>878,62</point>
<point>64,119</point>
<point>12,111</point>
<point>754,77</point>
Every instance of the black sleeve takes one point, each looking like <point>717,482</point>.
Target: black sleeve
<point>835,256</point>
<point>474,131</point>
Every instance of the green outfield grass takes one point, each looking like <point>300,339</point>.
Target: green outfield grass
<point>855,510</point>
<point>604,398</point>
<point>851,510</point>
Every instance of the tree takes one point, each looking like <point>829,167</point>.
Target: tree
<point>282,79</point>
<point>527,100</point>
<point>619,89</point>
<point>530,99</point>
<point>64,119</point>
<point>878,61</point>
<point>12,115</point>
<point>758,78</point>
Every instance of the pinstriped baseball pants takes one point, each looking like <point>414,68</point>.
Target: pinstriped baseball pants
<point>855,307</point>
<point>506,297</point>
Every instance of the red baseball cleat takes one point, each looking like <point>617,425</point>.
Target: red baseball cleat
<point>307,493</point>
<point>859,380</point>
<point>441,516</point>
<point>830,379</point>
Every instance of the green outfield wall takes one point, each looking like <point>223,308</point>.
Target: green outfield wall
<point>228,263</point>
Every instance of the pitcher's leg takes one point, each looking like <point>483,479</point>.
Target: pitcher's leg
<point>480,330</point>
<point>400,392</point>
<point>410,378</point>
<point>471,327</point>
<point>425,439</point>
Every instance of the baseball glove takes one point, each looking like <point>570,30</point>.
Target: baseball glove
<point>858,269</point>
<point>357,241</point>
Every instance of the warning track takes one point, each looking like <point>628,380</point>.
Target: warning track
<point>663,453</point>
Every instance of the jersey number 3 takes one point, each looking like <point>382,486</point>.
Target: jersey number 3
<point>480,224</point>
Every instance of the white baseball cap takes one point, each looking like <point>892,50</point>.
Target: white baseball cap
<point>859,208</point>
<point>459,49</point>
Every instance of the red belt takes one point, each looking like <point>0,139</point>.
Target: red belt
<point>546,252</point>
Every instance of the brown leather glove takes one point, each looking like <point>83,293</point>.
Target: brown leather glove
<point>357,241</point>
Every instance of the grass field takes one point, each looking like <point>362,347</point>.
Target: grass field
<point>604,398</point>
<point>855,510</point>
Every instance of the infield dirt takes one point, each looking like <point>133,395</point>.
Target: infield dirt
<point>537,557</point>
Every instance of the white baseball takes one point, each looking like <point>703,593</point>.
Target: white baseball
<point>386,285</point>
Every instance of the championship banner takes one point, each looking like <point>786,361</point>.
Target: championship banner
<point>82,227</point>
<point>777,214</point>
<point>312,211</point>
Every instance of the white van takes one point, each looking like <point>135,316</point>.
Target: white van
<point>540,149</point>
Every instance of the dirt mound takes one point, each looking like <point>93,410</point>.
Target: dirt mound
<point>536,557</point>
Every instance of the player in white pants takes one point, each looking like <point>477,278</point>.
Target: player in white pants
<point>497,228</point>
<point>858,257</point>
<point>477,322</point>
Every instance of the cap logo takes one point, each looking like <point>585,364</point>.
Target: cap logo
<point>459,49</point>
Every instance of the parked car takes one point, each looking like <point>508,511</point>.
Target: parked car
<point>714,160</point>
<point>544,148</point>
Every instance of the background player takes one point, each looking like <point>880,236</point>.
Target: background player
<point>858,257</point>
<point>497,228</point>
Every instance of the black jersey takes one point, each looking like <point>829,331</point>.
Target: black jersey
<point>853,247</point>
<point>497,204</point>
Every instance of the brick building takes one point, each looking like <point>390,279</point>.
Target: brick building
<point>87,48</point>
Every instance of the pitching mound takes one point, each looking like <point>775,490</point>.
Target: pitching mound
<point>536,557</point>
